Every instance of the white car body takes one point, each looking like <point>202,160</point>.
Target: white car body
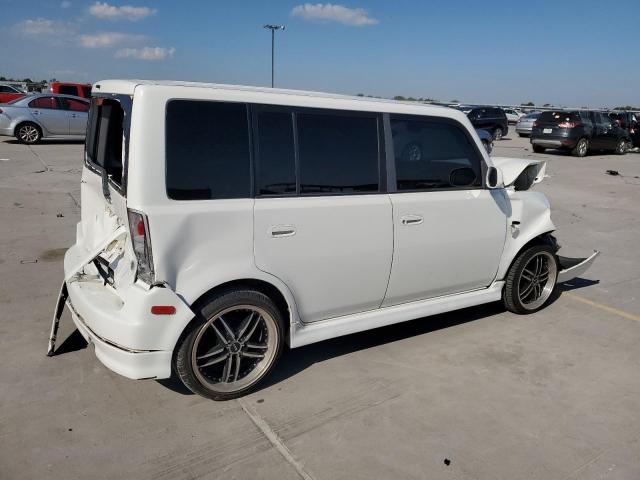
<point>513,115</point>
<point>341,263</point>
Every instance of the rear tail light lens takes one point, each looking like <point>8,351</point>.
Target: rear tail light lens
<point>139,229</point>
<point>568,124</point>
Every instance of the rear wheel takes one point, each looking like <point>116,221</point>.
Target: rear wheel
<point>232,346</point>
<point>531,280</point>
<point>621,147</point>
<point>538,149</point>
<point>497,134</point>
<point>488,146</point>
<point>581,148</point>
<point>28,133</point>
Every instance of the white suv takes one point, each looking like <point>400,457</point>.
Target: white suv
<point>220,223</point>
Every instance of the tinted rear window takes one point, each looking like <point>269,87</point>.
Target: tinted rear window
<point>207,150</point>
<point>104,137</point>
<point>558,117</point>
<point>338,153</point>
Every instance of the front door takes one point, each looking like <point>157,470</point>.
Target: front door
<point>76,113</point>
<point>320,224</point>
<point>449,231</point>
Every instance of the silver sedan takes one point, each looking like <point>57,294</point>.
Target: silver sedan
<point>44,116</point>
<point>525,124</point>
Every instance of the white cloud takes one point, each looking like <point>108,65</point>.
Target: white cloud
<point>41,27</point>
<point>65,4</point>
<point>126,12</point>
<point>327,12</point>
<point>146,53</point>
<point>110,39</point>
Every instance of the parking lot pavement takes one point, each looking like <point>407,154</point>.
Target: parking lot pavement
<point>554,395</point>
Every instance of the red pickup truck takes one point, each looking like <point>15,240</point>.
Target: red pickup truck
<point>9,92</point>
<point>78,89</point>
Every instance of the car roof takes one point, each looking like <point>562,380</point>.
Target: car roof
<point>27,98</point>
<point>278,96</point>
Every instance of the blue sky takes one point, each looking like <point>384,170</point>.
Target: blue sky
<point>580,52</point>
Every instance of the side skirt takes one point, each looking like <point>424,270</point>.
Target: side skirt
<point>347,324</point>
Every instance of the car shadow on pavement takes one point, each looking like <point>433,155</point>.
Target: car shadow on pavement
<point>294,361</point>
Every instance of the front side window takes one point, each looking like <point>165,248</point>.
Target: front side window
<point>337,153</point>
<point>276,162</point>
<point>74,105</point>
<point>207,150</point>
<point>432,154</point>
<point>44,102</point>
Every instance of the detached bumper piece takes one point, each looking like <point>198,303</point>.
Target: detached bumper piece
<point>574,267</point>
<point>57,313</point>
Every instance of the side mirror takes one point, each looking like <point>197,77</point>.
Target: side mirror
<point>494,178</point>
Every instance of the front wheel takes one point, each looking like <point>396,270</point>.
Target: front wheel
<point>232,345</point>
<point>621,147</point>
<point>497,134</point>
<point>531,280</point>
<point>488,146</point>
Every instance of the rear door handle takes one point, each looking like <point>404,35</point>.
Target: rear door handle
<point>411,219</point>
<point>278,231</point>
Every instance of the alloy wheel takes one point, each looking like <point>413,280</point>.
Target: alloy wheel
<point>234,349</point>
<point>582,147</point>
<point>537,280</point>
<point>28,133</point>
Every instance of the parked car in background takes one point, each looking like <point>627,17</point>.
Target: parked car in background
<point>492,119</point>
<point>76,89</point>
<point>486,138</point>
<point>320,229</point>
<point>579,131</point>
<point>628,121</point>
<point>525,124</point>
<point>9,93</point>
<point>35,117</point>
<point>512,114</point>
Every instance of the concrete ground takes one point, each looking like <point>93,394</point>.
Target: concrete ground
<point>475,394</point>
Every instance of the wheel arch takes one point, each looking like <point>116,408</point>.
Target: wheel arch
<point>23,121</point>
<point>545,238</point>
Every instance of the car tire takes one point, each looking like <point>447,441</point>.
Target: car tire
<point>222,358</point>
<point>28,133</point>
<point>497,134</point>
<point>621,147</point>
<point>488,146</point>
<point>581,148</point>
<point>531,280</point>
<point>539,149</point>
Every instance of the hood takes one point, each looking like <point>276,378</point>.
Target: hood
<point>520,172</point>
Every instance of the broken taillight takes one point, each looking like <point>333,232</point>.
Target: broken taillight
<point>139,229</point>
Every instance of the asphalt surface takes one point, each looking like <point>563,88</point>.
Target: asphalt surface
<point>474,394</point>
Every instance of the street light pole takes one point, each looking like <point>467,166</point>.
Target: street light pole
<point>273,29</point>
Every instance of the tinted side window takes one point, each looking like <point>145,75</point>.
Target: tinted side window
<point>207,150</point>
<point>276,163</point>
<point>74,105</point>
<point>68,89</point>
<point>86,92</point>
<point>44,102</point>
<point>427,153</point>
<point>337,153</point>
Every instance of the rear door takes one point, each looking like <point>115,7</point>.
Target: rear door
<point>449,231</point>
<point>601,131</point>
<point>322,224</point>
<point>50,115</point>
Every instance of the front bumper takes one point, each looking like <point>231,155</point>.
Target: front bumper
<point>574,267</point>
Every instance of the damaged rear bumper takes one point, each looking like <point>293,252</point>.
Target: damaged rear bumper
<point>574,267</point>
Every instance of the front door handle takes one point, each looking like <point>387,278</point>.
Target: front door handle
<point>411,219</point>
<point>278,231</point>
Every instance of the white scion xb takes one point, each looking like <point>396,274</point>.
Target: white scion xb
<point>220,223</point>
